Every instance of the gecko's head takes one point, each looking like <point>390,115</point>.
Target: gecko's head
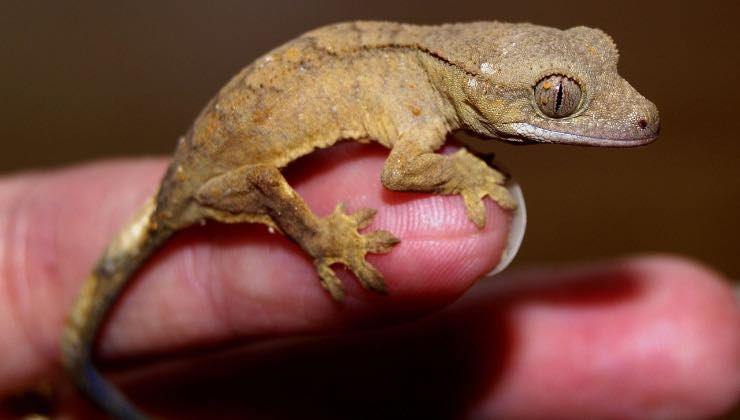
<point>546,85</point>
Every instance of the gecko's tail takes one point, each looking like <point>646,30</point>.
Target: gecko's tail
<point>121,260</point>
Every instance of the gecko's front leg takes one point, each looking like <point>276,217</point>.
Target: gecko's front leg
<point>413,166</point>
<point>260,193</point>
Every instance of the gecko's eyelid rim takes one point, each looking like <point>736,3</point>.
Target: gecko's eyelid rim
<point>558,96</point>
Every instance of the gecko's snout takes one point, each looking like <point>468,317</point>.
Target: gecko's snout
<point>648,125</point>
<point>641,123</point>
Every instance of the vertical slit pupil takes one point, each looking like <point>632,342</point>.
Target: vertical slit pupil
<point>559,99</point>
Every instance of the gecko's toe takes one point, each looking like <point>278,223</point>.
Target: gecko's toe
<point>369,277</point>
<point>380,241</point>
<point>363,217</point>
<point>503,197</point>
<point>329,280</point>
<point>475,208</point>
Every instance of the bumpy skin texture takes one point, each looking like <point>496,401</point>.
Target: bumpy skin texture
<point>404,86</point>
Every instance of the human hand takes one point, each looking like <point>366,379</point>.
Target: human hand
<point>646,337</point>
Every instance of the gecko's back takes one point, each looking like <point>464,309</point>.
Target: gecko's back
<point>343,81</point>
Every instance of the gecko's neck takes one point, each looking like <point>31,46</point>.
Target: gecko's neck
<point>454,85</point>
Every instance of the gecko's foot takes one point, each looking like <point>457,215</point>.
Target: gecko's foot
<point>339,242</point>
<point>477,181</point>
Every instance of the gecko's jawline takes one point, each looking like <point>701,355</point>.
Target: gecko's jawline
<point>532,134</point>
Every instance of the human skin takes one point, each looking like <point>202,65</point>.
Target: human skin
<point>642,337</point>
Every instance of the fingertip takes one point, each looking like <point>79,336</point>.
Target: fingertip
<point>636,337</point>
<point>441,252</point>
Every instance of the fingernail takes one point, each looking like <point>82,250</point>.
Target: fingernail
<point>517,228</point>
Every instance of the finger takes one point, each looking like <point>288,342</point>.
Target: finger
<point>633,339</point>
<point>220,282</point>
<point>636,338</point>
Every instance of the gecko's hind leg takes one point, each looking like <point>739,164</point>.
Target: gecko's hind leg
<point>260,193</point>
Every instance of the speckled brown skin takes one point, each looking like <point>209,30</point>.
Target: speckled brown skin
<point>404,86</point>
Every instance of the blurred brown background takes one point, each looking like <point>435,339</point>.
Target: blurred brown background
<point>85,80</point>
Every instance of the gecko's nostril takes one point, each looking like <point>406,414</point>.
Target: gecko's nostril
<point>642,123</point>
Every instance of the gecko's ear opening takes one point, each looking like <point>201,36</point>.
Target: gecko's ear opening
<point>597,42</point>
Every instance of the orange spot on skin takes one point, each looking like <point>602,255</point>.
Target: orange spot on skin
<point>547,85</point>
<point>292,54</point>
<point>260,116</point>
<point>415,110</point>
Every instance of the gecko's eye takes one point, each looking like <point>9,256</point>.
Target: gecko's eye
<point>557,96</point>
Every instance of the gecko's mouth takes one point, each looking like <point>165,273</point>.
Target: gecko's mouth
<point>524,132</point>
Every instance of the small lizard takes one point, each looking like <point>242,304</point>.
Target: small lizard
<point>404,86</point>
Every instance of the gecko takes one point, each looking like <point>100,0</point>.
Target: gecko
<point>404,86</point>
